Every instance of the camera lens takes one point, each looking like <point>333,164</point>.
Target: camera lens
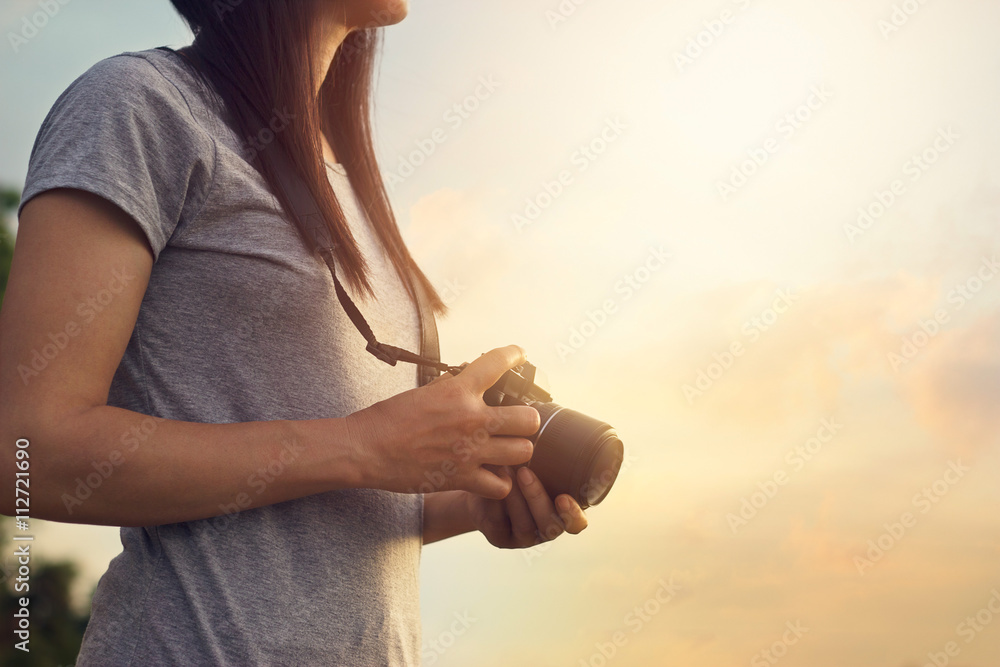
<point>575,454</point>
<point>604,468</point>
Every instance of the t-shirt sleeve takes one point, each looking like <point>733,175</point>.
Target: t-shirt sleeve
<point>124,132</point>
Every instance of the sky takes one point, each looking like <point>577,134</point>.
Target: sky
<point>758,237</point>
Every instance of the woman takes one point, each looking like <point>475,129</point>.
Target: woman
<point>177,359</point>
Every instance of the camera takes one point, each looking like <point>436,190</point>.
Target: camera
<point>574,453</point>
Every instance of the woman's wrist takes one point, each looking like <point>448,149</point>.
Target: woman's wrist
<point>446,514</point>
<point>334,453</point>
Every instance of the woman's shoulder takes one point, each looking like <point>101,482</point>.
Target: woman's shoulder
<point>135,78</point>
<point>132,129</point>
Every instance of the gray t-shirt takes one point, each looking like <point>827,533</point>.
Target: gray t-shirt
<point>239,323</point>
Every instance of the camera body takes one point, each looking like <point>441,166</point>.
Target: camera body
<point>574,453</point>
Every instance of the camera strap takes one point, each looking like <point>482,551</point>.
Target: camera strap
<point>312,224</point>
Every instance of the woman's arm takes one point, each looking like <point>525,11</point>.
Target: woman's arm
<point>80,269</point>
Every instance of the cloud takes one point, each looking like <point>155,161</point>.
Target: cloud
<point>955,387</point>
<point>453,237</point>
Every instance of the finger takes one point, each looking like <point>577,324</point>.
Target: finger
<point>482,373</point>
<point>487,484</point>
<point>550,524</point>
<point>515,420</point>
<point>572,515</point>
<point>490,517</point>
<point>506,450</point>
<point>523,526</point>
<point>493,518</point>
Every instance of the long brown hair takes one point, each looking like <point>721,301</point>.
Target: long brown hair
<point>258,56</point>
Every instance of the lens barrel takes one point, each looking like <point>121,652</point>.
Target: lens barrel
<point>575,454</point>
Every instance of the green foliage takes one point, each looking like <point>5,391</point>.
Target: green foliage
<point>9,199</point>
<point>56,628</point>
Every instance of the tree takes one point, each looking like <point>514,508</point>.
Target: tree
<point>9,200</point>
<point>56,629</point>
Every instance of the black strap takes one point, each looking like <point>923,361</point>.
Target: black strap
<point>311,223</point>
<point>430,348</point>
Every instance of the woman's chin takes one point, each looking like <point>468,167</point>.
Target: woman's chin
<point>379,13</point>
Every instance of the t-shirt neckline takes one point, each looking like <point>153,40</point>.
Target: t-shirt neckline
<point>337,167</point>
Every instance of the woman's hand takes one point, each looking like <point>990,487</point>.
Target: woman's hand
<point>527,516</point>
<point>443,435</point>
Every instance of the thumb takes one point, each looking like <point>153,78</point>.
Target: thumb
<point>487,369</point>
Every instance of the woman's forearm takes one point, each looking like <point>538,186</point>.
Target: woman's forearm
<point>109,466</point>
<point>446,514</point>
